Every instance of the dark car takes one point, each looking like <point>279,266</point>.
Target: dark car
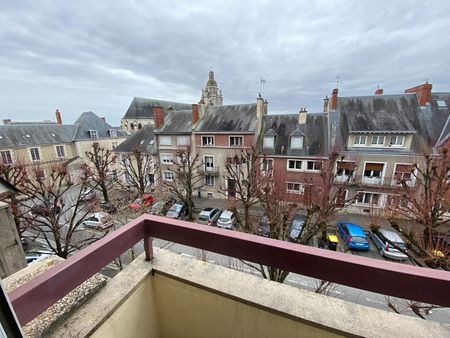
<point>178,210</point>
<point>296,228</point>
<point>43,210</point>
<point>108,207</point>
<point>264,227</point>
<point>160,208</point>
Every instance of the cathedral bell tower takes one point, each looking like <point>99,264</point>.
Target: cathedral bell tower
<point>212,95</point>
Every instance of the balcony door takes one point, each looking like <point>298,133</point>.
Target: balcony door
<point>209,163</point>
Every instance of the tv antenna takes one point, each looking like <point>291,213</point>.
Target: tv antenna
<point>261,86</point>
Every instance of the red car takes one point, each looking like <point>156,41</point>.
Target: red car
<point>146,201</point>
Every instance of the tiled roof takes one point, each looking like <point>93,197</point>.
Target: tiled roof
<point>229,118</point>
<point>143,108</point>
<point>177,122</point>
<point>142,140</point>
<point>90,121</point>
<point>25,135</point>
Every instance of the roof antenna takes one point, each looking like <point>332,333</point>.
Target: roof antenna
<point>338,80</point>
<point>261,86</point>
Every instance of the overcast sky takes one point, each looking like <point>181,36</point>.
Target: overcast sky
<point>92,55</point>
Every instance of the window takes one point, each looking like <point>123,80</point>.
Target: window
<point>209,163</point>
<point>127,177</point>
<point>294,165</point>
<point>296,142</point>
<point>113,133</point>
<point>373,170</point>
<point>183,140</point>
<point>267,165</point>
<point>403,172</point>
<point>60,151</point>
<point>6,157</point>
<point>239,160</point>
<point>124,159</point>
<point>166,158</point>
<point>397,141</point>
<point>93,134</point>
<point>294,188</point>
<point>368,198</point>
<point>236,141</point>
<point>377,140</point>
<point>359,140</point>
<point>35,154</point>
<point>114,174</point>
<point>207,140</point>
<point>345,168</point>
<point>209,181</point>
<point>269,142</point>
<point>168,175</point>
<point>441,104</point>
<point>165,140</point>
<point>314,165</point>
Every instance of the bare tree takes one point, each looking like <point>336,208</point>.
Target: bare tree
<point>50,212</point>
<point>188,177</point>
<point>243,170</point>
<point>139,169</point>
<point>98,169</point>
<point>424,199</point>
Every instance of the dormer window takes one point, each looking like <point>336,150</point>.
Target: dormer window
<point>93,134</point>
<point>269,142</point>
<point>359,140</point>
<point>296,142</point>
<point>377,140</point>
<point>441,104</point>
<point>397,141</point>
<point>113,133</point>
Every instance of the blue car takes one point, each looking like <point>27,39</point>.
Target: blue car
<point>354,236</point>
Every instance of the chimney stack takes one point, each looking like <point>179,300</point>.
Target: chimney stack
<point>302,115</point>
<point>259,107</point>
<point>422,91</point>
<point>334,97</point>
<point>158,113</point>
<point>325,104</point>
<point>58,117</point>
<point>195,115</point>
<point>266,105</point>
<point>379,91</point>
<point>103,119</point>
<point>6,121</point>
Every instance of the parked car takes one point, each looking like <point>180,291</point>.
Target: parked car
<point>145,201</point>
<point>298,221</point>
<point>209,216</point>
<point>108,207</point>
<point>160,208</point>
<point>264,227</point>
<point>43,210</point>
<point>227,219</point>
<point>98,220</point>
<point>88,195</point>
<point>353,236</point>
<point>380,239</point>
<point>36,256</point>
<point>178,210</point>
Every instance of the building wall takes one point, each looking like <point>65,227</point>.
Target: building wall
<point>223,140</point>
<point>125,124</point>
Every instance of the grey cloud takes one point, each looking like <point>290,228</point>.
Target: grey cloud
<point>85,55</point>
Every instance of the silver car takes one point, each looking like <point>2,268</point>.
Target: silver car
<point>227,219</point>
<point>381,237</point>
<point>209,216</point>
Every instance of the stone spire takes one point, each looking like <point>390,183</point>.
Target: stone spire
<point>212,95</point>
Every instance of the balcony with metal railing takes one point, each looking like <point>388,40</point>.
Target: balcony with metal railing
<point>170,295</point>
<point>208,170</point>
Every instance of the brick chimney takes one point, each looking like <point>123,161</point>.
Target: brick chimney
<point>334,97</point>
<point>158,112</point>
<point>326,100</point>
<point>58,117</point>
<point>422,91</point>
<point>195,114</point>
<point>302,115</point>
<point>379,91</point>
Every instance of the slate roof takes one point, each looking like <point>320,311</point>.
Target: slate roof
<point>90,121</point>
<point>378,113</point>
<point>229,118</point>
<point>284,126</point>
<point>177,122</point>
<point>143,108</point>
<point>143,140</point>
<point>26,135</point>
<point>438,123</point>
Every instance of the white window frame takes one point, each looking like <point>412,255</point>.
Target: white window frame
<point>269,142</point>
<point>166,173</point>
<point>93,134</point>
<point>379,204</point>
<point>300,191</point>
<point>295,161</point>
<point>299,139</point>
<point>263,164</point>
<point>112,133</point>
<point>314,165</point>
<point>10,160</point>
<point>212,178</point>
<point>376,140</point>
<point>396,143</point>
<point>165,140</point>
<point>166,158</point>
<point>359,138</point>
<point>204,162</point>
<point>38,152</point>
<point>371,179</point>
<point>236,137</point>
<point>208,138</point>
<point>183,140</point>
<point>58,155</point>
<point>412,180</point>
